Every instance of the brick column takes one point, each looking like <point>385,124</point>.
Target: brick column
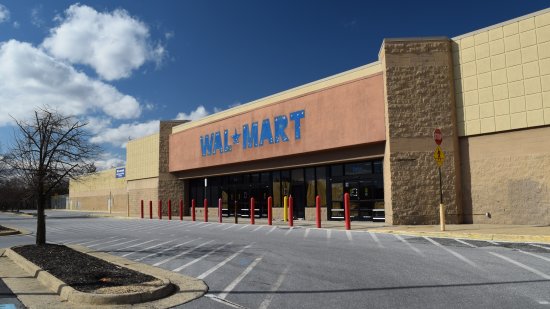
<point>419,97</point>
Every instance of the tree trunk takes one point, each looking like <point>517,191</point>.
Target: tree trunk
<point>41,221</point>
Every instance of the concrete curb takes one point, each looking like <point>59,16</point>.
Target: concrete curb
<point>68,293</point>
<point>474,236</point>
<point>16,231</point>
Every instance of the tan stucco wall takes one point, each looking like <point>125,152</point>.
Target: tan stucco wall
<point>502,76</point>
<point>508,176</point>
<point>92,193</point>
<point>344,77</point>
<point>142,157</point>
<point>344,115</point>
<point>419,98</point>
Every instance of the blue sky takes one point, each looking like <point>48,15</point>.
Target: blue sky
<point>123,65</point>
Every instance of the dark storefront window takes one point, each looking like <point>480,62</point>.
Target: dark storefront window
<point>310,187</point>
<point>321,182</point>
<point>277,189</point>
<point>362,180</point>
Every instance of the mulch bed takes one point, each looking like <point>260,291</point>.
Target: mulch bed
<point>81,271</point>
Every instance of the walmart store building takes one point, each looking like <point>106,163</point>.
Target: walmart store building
<point>369,132</point>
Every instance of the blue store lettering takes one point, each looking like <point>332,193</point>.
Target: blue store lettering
<point>253,135</point>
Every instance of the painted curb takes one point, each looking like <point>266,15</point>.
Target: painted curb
<point>475,236</point>
<point>69,294</point>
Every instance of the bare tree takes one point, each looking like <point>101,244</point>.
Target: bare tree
<point>46,152</point>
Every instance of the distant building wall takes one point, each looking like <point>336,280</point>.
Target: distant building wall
<point>100,191</point>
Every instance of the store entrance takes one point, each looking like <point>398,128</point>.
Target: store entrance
<point>362,180</point>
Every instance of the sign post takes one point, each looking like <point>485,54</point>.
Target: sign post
<point>439,157</point>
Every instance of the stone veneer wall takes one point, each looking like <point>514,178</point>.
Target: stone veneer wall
<point>169,186</point>
<point>419,97</point>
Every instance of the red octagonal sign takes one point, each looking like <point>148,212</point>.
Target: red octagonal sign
<point>438,136</point>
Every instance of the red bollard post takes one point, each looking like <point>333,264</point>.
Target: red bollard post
<point>181,210</point>
<point>169,209</point>
<point>205,210</point>
<point>290,211</point>
<point>318,211</point>
<point>252,211</point>
<point>269,211</point>
<point>219,210</point>
<point>193,210</point>
<point>346,211</point>
<point>150,209</point>
<point>160,209</point>
<point>141,211</point>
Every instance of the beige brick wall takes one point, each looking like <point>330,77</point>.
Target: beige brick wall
<point>419,98</point>
<point>507,175</point>
<point>142,157</point>
<point>502,76</point>
<point>142,189</point>
<point>92,193</point>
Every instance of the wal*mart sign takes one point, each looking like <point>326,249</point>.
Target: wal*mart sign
<point>271,131</point>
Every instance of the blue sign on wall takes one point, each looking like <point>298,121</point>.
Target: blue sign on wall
<point>253,135</point>
<point>120,172</point>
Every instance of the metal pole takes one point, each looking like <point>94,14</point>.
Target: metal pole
<point>236,218</point>
<point>269,210</point>
<point>441,205</point>
<point>346,211</point>
<point>252,210</point>
<point>440,187</point>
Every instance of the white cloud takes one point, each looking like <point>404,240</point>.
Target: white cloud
<point>197,114</point>
<point>114,44</point>
<point>125,132</point>
<point>16,25</point>
<point>97,124</point>
<point>36,18</point>
<point>33,78</point>
<point>109,160</point>
<point>4,14</point>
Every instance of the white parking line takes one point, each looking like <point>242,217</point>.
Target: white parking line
<point>92,241</point>
<point>237,280</point>
<point>535,255</point>
<point>289,230</point>
<point>184,252</point>
<point>466,243</point>
<point>271,230</point>
<point>202,257</point>
<point>375,238</point>
<point>143,243</point>
<point>259,227</point>
<point>458,255</point>
<point>348,234</point>
<point>267,301</point>
<point>116,244</point>
<point>220,264</point>
<point>408,244</point>
<point>509,260</point>
<point>102,243</point>
<point>306,233</point>
<point>243,226</point>
<point>231,226</point>
<point>206,224</point>
<point>539,246</point>
<point>153,246</point>
<point>329,233</point>
<point>157,253</point>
